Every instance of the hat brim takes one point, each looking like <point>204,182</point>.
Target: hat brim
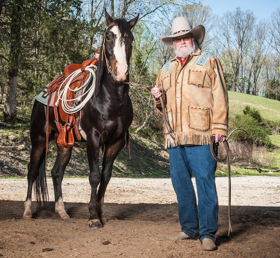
<point>198,32</point>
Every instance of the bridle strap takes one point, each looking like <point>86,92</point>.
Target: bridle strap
<point>109,68</point>
<point>111,25</point>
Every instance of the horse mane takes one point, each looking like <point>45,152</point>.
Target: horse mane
<point>124,27</point>
<point>99,72</point>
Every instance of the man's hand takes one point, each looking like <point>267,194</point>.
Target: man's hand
<point>219,138</point>
<point>156,92</point>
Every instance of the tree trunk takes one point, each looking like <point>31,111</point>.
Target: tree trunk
<point>10,106</point>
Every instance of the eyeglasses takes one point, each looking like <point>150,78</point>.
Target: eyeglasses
<point>177,40</point>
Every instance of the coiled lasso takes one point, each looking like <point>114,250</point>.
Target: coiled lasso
<point>62,93</point>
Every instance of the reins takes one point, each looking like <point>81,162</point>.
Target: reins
<point>212,144</point>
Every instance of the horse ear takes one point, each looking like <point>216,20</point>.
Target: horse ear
<point>109,19</point>
<point>133,21</point>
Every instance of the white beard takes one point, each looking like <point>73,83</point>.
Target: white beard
<point>184,54</point>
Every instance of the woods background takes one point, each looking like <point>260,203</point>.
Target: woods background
<point>38,38</point>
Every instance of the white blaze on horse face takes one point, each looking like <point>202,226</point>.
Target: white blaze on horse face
<point>119,52</point>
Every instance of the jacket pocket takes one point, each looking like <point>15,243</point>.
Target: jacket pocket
<point>169,118</point>
<point>166,82</point>
<point>199,78</point>
<point>199,118</point>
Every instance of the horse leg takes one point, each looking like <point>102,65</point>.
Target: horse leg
<point>94,180</point>
<point>110,155</point>
<point>62,160</point>
<point>37,163</point>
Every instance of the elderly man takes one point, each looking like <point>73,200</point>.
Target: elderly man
<point>192,95</point>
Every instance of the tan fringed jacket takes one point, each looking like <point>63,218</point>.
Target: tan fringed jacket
<point>196,99</point>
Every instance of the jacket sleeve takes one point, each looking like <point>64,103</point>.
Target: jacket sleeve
<point>220,100</point>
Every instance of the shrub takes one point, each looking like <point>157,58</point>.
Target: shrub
<point>254,113</point>
<point>256,132</point>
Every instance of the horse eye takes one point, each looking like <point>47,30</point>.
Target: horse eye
<point>108,37</point>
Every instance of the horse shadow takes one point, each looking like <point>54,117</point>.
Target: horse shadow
<point>243,219</point>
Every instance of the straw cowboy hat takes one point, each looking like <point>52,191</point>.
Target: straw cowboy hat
<point>181,26</point>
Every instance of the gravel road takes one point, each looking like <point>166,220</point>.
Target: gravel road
<point>246,191</point>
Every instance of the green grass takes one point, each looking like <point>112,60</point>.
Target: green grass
<point>268,108</point>
<point>270,111</point>
<point>275,138</point>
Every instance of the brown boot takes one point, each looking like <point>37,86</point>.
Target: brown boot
<point>180,236</point>
<point>208,244</point>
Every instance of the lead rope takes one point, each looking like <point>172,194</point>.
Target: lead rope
<point>169,129</point>
<point>212,143</point>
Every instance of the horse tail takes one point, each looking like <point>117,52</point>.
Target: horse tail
<point>41,189</point>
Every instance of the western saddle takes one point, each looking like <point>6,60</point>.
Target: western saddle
<point>67,124</point>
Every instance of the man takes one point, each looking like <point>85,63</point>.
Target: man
<point>195,104</point>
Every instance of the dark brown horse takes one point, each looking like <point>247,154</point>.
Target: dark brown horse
<point>105,120</point>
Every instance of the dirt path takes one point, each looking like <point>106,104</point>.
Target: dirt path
<point>142,214</point>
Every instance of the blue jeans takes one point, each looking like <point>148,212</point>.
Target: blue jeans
<point>202,219</point>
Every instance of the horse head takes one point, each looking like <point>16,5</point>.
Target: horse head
<point>117,46</point>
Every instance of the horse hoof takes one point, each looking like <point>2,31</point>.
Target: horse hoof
<point>62,214</point>
<point>94,223</point>
<point>65,216</point>
<point>27,216</point>
<point>103,220</point>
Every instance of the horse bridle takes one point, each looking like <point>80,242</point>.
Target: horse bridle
<point>212,144</point>
<point>109,67</point>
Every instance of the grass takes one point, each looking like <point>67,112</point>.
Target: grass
<point>268,108</point>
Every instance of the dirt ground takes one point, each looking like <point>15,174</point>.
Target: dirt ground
<point>142,215</point>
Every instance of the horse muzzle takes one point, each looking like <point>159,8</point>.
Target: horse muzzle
<point>120,73</point>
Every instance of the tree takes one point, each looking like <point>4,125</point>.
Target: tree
<point>256,58</point>
<point>16,15</point>
<point>39,39</point>
<point>272,67</point>
<point>273,90</point>
<point>275,31</point>
<point>49,34</point>
<point>235,36</point>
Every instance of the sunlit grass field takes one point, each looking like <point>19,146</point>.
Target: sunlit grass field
<point>268,108</point>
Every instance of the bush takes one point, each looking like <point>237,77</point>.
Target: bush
<point>254,113</point>
<point>256,132</point>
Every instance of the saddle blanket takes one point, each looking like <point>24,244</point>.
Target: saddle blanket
<point>43,97</point>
